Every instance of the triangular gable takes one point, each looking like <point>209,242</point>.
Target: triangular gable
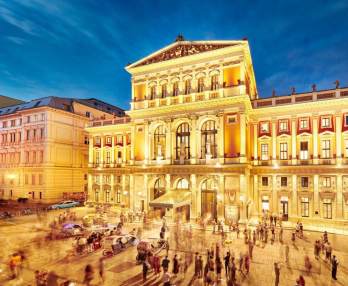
<point>182,49</point>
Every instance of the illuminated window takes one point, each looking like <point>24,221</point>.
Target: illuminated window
<point>152,92</point>
<point>325,122</point>
<point>107,196</point>
<point>176,88</point>
<point>97,141</point>
<point>13,123</point>
<point>164,90</point>
<point>208,139</point>
<point>327,208</point>
<point>200,85</point>
<point>183,141</point>
<point>283,125</point>
<point>304,182</point>
<point>28,135</point>
<point>187,86</point>
<point>4,124</point>
<point>304,150</point>
<point>159,141</point>
<point>108,140</point>
<point>327,182</point>
<point>283,181</point>
<point>264,181</point>
<point>264,151</point>
<point>264,127</point>
<point>118,196</point>
<point>231,119</point>
<point>97,157</point>
<point>283,151</point>
<point>346,146</point>
<point>159,188</point>
<point>182,184</point>
<point>304,207</point>
<point>108,157</point>
<point>346,120</point>
<point>325,147</point>
<point>214,82</point>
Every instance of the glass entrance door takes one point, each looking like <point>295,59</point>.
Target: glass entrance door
<point>285,209</point>
<point>209,204</point>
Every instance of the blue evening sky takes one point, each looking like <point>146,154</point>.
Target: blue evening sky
<point>79,48</point>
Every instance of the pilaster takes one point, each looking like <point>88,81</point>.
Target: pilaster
<point>316,195</point>
<point>315,140</point>
<point>167,182</point>
<point>338,128</point>
<point>221,197</point>
<point>294,199</point>
<point>274,195</point>
<point>132,145</point>
<point>221,138</point>
<point>168,155</point>
<point>146,142</point>
<point>112,151</point>
<point>293,141</point>
<point>90,152</point>
<point>193,137</point>
<point>195,208</point>
<point>131,193</point>
<point>274,141</point>
<point>255,141</point>
<point>339,197</point>
<point>102,151</point>
<point>124,149</point>
<point>242,117</point>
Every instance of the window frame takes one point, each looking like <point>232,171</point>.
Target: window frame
<point>304,207</point>
<point>325,119</point>
<point>304,182</point>
<point>325,148</point>
<point>304,154</point>
<point>266,123</point>
<point>281,124</point>
<point>283,153</point>
<point>282,181</point>
<point>264,152</point>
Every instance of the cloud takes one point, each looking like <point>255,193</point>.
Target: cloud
<point>25,25</point>
<point>16,40</point>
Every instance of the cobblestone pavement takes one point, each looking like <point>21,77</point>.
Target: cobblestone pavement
<point>26,232</point>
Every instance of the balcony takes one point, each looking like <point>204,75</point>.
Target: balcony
<point>327,161</point>
<point>229,91</point>
<point>105,122</point>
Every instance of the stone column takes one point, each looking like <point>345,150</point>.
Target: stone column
<point>112,191</point>
<point>221,197</point>
<point>242,155</point>
<point>242,198</point>
<point>132,159</point>
<point>147,193</point>
<point>315,140</point>
<point>294,199</point>
<point>256,196</point>
<point>255,141</point>
<point>90,153</point>
<point>316,206</point>
<point>90,194</point>
<point>293,141</point>
<point>124,148</point>
<point>338,128</point>
<point>131,193</point>
<point>193,138</point>
<point>146,142</point>
<point>112,151</point>
<point>339,197</point>
<point>101,193</point>
<point>102,151</point>
<point>221,138</point>
<point>168,154</point>
<point>168,182</point>
<point>274,195</point>
<point>194,197</point>
<point>274,142</point>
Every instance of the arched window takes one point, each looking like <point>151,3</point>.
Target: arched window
<point>182,184</point>
<point>208,185</point>
<point>214,82</point>
<point>183,141</point>
<point>176,88</point>
<point>187,86</point>
<point>208,139</point>
<point>159,139</point>
<point>200,84</point>
<point>159,188</point>
<point>153,92</point>
<point>164,90</point>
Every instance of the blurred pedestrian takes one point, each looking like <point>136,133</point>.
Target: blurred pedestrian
<point>145,270</point>
<point>276,273</point>
<point>334,265</point>
<point>89,275</point>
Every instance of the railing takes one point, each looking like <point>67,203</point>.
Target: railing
<point>104,122</point>
<point>301,97</point>
<point>187,98</point>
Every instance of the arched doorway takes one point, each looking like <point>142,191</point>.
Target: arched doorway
<point>208,199</point>
<point>159,145</point>
<point>159,190</point>
<point>182,147</point>
<point>183,212</point>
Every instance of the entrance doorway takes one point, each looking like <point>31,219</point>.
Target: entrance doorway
<point>183,213</point>
<point>209,209</point>
<point>265,204</point>
<point>284,208</point>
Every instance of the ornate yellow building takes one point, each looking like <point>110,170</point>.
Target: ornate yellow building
<point>198,141</point>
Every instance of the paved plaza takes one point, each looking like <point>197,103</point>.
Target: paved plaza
<point>27,233</point>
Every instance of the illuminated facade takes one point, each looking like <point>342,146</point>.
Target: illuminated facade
<point>199,142</point>
<point>44,147</point>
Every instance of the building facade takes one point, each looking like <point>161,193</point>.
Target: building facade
<point>200,143</point>
<point>44,147</point>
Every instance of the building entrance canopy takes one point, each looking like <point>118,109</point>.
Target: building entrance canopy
<point>172,199</point>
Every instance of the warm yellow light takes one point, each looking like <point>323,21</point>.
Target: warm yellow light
<point>125,193</point>
<point>11,176</point>
<point>241,198</point>
<point>217,165</point>
<point>275,166</point>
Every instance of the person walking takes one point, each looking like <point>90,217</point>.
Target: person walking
<point>227,262</point>
<point>328,251</point>
<point>156,265</point>
<point>200,266</point>
<point>175,265</point>
<point>300,281</point>
<point>101,269</point>
<point>334,265</point>
<point>218,268</point>
<point>89,275</point>
<point>233,270</point>
<point>281,234</point>
<point>165,264</point>
<point>247,263</point>
<point>241,259</point>
<point>287,249</point>
<point>251,247</point>
<point>145,270</point>
<point>277,273</point>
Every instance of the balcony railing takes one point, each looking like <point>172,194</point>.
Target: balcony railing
<point>188,98</point>
<point>104,122</point>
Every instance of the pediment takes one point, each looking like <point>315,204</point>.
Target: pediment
<point>182,49</point>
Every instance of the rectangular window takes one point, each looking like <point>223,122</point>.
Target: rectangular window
<point>118,196</point>
<point>119,140</point>
<point>164,90</point>
<point>176,88</point>
<point>264,151</point>
<point>42,132</point>
<point>264,127</point>
<point>283,125</point>
<point>108,157</point>
<point>13,123</point>
<point>86,141</point>
<point>152,92</point>
<point>97,141</point>
<point>264,181</point>
<point>33,179</point>
<point>283,151</point>
<point>26,156</point>
<point>4,124</point>
<point>40,179</point>
<point>187,86</point>
<point>28,135</point>
<point>88,114</point>
<point>325,122</point>
<point>41,156</point>
<point>214,82</point>
<point>304,182</point>
<point>304,207</point>
<point>304,150</point>
<point>327,182</point>
<point>97,158</point>
<point>284,181</point>
<point>325,147</point>
<point>34,134</point>
<point>200,85</point>
<point>28,119</point>
<point>42,116</point>
<point>231,119</point>
<point>327,208</point>
<point>108,140</point>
